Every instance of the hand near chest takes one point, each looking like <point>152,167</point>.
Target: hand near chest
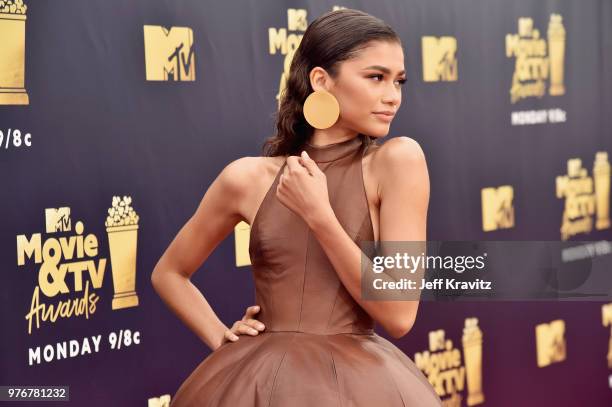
<point>302,187</point>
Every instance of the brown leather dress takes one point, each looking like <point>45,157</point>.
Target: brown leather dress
<point>319,347</point>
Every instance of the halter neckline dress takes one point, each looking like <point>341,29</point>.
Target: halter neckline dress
<point>319,347</point>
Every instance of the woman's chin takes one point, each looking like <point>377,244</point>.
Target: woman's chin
<point>378,131</point>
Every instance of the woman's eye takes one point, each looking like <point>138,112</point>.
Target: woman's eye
<point>401,81</point>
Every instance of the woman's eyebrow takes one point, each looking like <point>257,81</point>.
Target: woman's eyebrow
<point>383,69</point>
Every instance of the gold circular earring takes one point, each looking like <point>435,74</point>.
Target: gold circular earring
<point>321,109</point>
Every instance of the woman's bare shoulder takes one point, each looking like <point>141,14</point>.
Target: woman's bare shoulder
<point>255,168</point>
<point>243,173</point>
<point>400,147</point>
<point>244,178</point>
<point>388,161</point>
<point>396,152</point>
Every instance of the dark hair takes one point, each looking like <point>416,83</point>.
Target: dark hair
<point>333,37</point>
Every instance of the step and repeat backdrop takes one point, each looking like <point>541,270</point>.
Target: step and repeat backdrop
<point>115,117</point>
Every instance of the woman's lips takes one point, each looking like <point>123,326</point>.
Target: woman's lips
<point>384,116</point>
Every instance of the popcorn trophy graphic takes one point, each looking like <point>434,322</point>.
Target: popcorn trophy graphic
<point>606,314</point>
<point>12,53</point>
<point>601,176</point>
<point>610,350</point>
<point>122,228</point>
<point>472,351</point>
<point>556,53</point>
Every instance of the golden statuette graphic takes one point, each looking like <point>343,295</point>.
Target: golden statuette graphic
<point>12,53</point>
<point>601,176</point>
<point>610,350</point>
<point>472,354</point>
<point>556,54</point>
<point>122,228</point>
<point>606,316</point>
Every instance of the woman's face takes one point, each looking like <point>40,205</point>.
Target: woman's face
<point>369,83</point>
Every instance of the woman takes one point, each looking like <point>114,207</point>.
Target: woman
<point>322,187</point>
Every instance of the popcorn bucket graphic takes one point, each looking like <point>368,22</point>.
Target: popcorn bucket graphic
<point>610,350</point>
<point>556,53</point>
<point>601,178</point>
<point>12,53</point>
<point>122,229</point>
<point>472,350</point>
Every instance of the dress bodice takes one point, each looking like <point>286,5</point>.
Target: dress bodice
<point>296,285</point>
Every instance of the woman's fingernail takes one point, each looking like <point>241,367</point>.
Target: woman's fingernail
<point>253,331</point>
<point>261,326</point>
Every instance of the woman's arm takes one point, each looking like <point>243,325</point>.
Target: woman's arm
<point>404,198</point>
<point>214,219</point>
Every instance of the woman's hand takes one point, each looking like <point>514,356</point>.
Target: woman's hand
<point>302,188</point>
<point>247,325</point>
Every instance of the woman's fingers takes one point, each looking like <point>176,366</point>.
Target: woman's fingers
<point>255,324</point>
<point>248,317</point>
<point>308,163</point>
<point>246,326</point>
<point>230,336</point>
<point>241,328</point>
<point>250,312</point>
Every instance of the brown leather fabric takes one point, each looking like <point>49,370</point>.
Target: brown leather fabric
<point>319,347</point>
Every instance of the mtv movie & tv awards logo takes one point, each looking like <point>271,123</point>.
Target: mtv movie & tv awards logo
<point>455,374</point>
<point>70,269</point>
<point>539,62</point>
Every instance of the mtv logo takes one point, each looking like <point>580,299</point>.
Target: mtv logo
<point>57,220</point>
<point>550,342</point>
<point>162,401</point>
<point>525,26</point>
<point>297,19</point>
<point>497,208</point>
<point>436,340</point>
<point>169,53</point>
<point>439,59</point>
